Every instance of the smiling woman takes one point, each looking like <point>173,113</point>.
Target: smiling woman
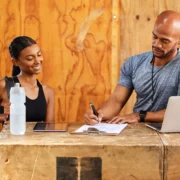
<point>27,63</point>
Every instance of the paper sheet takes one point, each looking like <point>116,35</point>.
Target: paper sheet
<point>108,128</point>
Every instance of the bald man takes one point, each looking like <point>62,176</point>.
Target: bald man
<point>154,76</point>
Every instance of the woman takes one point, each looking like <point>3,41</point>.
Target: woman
<point>27,63</point>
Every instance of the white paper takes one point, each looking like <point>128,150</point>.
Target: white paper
<point>107,128</point>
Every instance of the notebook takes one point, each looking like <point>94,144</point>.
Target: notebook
<point>171,122</point>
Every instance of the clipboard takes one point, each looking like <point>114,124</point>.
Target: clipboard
<point>96,131</point>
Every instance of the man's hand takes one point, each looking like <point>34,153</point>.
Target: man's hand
<point>91,119</point>
<point>130,118</point>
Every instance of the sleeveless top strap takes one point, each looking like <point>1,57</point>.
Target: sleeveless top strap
<point>35,108</point>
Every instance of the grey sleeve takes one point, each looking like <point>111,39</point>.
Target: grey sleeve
<point>126,72</point>
<point>178,93</point>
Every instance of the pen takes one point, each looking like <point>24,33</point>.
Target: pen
<point>94,109</point>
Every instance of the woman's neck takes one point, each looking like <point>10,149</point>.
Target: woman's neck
<point>27,81</point>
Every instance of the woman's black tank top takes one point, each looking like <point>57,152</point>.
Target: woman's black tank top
<point>35,109</point>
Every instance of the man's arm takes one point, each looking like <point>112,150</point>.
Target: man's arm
<point>157,116</point>
<point>111,107</point>
<point>116,102</point>
<point>135,118</point>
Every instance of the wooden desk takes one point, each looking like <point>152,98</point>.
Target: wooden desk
<point>171,143</point>
<point>137,153</point>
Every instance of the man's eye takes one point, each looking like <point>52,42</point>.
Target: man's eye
<point>165,41</point>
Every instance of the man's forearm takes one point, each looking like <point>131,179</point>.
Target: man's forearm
<point>157,116</point>
<point>109,109</point>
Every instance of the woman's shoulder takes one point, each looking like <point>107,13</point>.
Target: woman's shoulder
<point>3,90</point>
<point>47,89</point>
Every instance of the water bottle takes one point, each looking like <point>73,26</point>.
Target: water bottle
<point>17,110</point>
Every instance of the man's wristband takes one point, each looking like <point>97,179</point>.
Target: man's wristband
<point>142,115</point>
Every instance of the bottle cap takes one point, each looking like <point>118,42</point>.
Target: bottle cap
<point>17,85</point>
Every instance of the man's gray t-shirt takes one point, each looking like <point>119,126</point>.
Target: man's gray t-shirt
<point>136,73</point>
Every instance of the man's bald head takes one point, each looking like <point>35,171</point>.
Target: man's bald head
<point>166,35</point>
<point>168,14</point>
<point>169,21</point>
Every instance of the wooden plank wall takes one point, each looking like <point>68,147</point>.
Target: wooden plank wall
<point>84,43</point>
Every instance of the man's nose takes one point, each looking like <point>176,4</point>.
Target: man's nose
<point>157,43</point>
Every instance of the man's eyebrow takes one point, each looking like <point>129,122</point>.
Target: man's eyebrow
<point>160,38</point>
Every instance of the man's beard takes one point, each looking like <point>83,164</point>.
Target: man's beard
<point>171,51</point>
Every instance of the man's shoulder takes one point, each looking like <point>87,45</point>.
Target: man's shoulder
<point>142,55</point>
<point>140,58</point>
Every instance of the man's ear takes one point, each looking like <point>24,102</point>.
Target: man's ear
<point>15,62</point>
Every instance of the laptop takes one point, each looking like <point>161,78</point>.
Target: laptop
<point>171,122</point>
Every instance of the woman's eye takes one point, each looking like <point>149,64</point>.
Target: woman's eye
<point>29,58</point>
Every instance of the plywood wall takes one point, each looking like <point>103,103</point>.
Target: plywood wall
<point>84,43</point>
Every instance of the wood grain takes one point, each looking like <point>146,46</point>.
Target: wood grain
<point>59,155</point>
<point>80,76</point>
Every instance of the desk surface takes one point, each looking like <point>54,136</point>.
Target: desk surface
<point>136,153</point>
<point>132,135</point>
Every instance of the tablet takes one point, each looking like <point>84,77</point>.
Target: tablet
<point>50,127</point>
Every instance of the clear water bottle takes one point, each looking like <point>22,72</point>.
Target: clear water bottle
<point>17,110</point>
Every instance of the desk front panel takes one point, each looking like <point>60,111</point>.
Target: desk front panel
<point>137,153</point>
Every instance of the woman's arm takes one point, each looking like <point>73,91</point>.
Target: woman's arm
<point>3,101</point>
<point>50,102</point>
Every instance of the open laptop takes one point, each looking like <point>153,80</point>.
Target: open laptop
<point>171,122</point>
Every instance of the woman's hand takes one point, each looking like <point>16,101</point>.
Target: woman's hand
<point>7,108</point>
<point>3,118</point>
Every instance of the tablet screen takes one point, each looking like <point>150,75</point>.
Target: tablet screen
<point>49,127</point>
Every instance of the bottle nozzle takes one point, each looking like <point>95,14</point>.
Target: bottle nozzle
<point>17,85</point>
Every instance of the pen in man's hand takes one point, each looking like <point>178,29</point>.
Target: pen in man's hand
<point>94,109</point>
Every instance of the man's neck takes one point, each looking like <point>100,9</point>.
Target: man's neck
<point>165,60</point>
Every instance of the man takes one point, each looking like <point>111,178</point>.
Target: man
<point>155,76</point>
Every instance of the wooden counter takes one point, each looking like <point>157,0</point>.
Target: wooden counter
<point>171,143</point>
<point>137,153</point>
